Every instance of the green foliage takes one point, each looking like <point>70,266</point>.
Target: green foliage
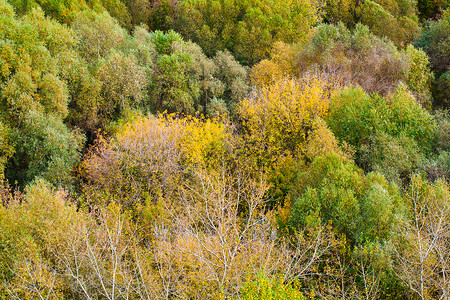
<point>32,227</point>
<point>435,41</point>
<point>124,83</point>
<point>109,73</point>
<point>361,207</point>
<point>171,88</point>
<point>443,122</point>
<point>333,191</point>
<point>99,34</point>
<point>44,147</point>
<point>233,77</point>
<point>396,157</point>
<point>34,99</point>
<point>216,108</point>
<point>64,11</point>
<point>381,208</point>
<point>395,19</point>
<point>345,11</point>
<point>161,14</point>
<point>174,206</point>
<point>389,134</point>
<point>84,89</point>
<point>246,28</point>
<point>438,166</point>
<point>117,9</point>
<point>151,72</point>
<point>185,80</point>
<point>431,9</point>
<point>419,77</point>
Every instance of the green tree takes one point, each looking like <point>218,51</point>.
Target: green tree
<point>34,98</point>
<point>246,28</point>
<point>364,208</point>
<point>431,9</point>
<point>395,19</point>
<point>184,80</point>
<point>123,83</point>
<point>390,134</point>
<point>435,41</point>
<point>99,34</point>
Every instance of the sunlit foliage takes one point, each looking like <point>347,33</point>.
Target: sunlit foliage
<point>277,118</point>
<point>360,57</point>
<point>350,57</point>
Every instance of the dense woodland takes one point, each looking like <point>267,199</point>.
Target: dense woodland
<point>224,149</point>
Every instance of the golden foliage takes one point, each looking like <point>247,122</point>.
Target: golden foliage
<point>204,141</point>
<point>281,64</point>
<point>277,117</point>
<point>322,141</point>
<point>265,72</point>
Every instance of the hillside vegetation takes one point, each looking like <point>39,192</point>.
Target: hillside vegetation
<point>224,149</point>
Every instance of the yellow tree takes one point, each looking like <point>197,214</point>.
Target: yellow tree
<point>278,117</point>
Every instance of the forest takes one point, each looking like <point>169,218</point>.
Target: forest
<point>225,149</point>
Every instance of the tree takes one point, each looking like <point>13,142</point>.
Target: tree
<point>33,226</point>
<point>337,190</point>
<point>435,42</point>
<point>142,160</point>
<point>245,28</point>
<point>64,11</point>
<point>361,58</point>
<point>34,99</point>
<point>424,252</point>
<point>276,119</point>
<point>99,34</point>
<point>390,134</point>
<point>123,83</point>
<point>184,80</point>
<point>431,9</point>
<point>395,20</point>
